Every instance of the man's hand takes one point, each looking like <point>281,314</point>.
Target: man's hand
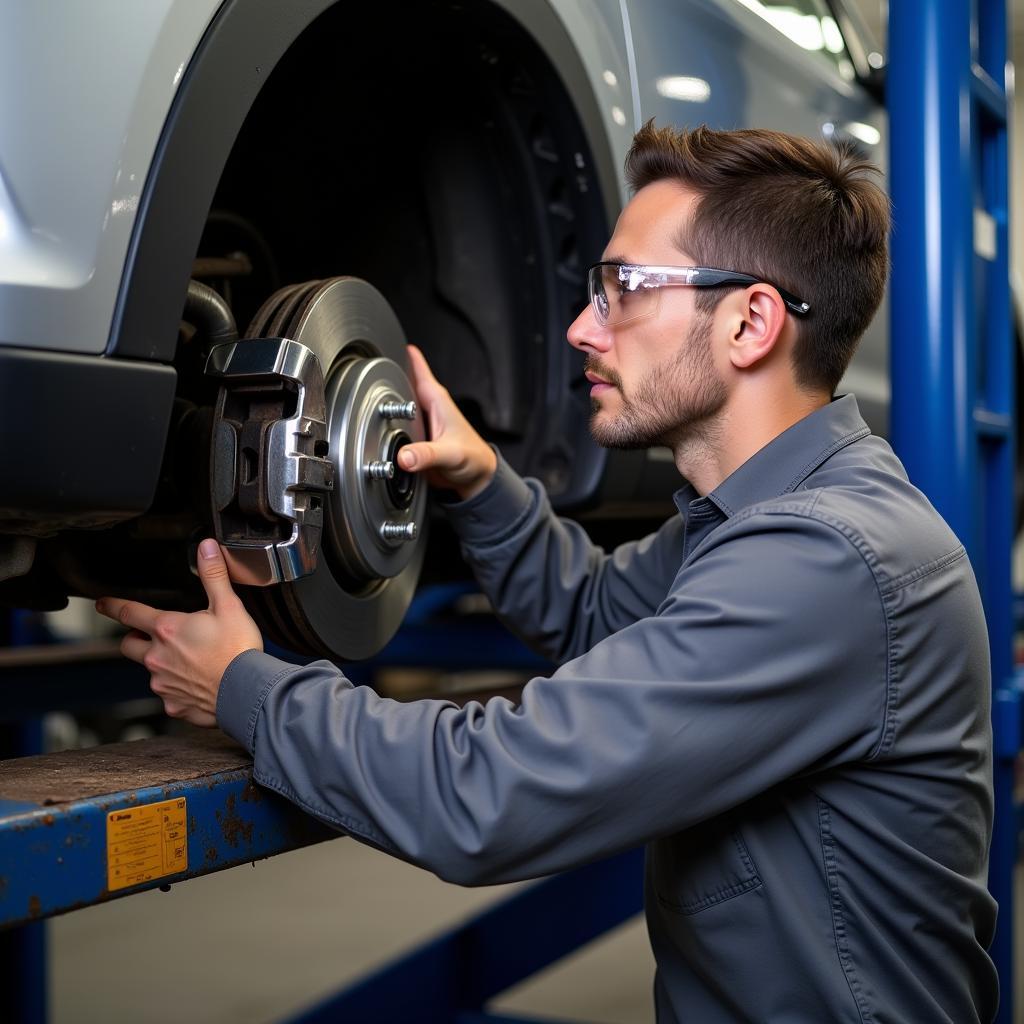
<point>186,655</point>
<point>456,456</point>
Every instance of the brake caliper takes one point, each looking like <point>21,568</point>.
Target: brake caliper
<point>270,473</point>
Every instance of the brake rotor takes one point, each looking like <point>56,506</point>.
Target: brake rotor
<point>374,524</point>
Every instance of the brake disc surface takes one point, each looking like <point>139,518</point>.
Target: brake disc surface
<point>374,527</point>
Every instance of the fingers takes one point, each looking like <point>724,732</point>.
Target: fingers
<point>213,573</point>
<point>422,376</point>
<point>129,613</point>
<point>135,646</point>
<point>431,394</point>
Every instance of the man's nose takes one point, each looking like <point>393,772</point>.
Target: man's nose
<point>586,334</point>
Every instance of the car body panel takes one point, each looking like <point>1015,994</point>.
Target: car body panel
<point>84,92</point>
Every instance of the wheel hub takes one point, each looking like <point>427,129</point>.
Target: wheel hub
<point>361,437</point>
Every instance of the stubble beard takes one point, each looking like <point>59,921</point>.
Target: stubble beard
<point>673,404</point>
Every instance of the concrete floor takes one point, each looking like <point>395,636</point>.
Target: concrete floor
<point>256,944</point>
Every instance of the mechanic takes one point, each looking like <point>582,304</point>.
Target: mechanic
<point>783,692</point>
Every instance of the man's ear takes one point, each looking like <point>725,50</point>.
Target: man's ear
<point>757,320</point>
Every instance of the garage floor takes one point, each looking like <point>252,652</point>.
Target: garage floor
<point>258,944</point>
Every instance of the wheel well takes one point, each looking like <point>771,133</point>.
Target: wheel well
<point>457,179</point>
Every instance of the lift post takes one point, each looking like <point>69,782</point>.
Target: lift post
<point>951,336</point>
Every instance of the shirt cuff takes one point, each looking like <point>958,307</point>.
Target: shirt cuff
<point>503,500</point>
<point>244,686</point>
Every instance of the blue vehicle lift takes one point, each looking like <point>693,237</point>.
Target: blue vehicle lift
<point>952,424</point>
<point>952,337</point>
<point>190,807</point>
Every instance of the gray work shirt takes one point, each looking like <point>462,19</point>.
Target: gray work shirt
<point>783,692</point>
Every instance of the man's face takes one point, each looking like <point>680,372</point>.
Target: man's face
<point>656,380</point>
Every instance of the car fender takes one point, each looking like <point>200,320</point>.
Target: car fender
<point>84,93</point>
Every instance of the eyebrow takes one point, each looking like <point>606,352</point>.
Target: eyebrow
<point>620,259</point>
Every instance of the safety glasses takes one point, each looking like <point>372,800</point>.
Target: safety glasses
<point>620,292</point>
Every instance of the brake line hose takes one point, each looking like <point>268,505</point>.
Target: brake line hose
<point>210,313</point>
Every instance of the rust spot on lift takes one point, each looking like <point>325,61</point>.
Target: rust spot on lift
<point>211,855</point>
<point>192,825</point>
<point>234,830</point>
<point>35,907</point>
<point>252,794</point>
<point>47,820</point>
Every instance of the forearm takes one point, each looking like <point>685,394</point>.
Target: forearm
<point>544,576</point>
<point>477,794</point>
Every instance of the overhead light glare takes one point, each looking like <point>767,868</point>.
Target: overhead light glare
<point>804,29</point>
<point>683,87</point>
<point>864,132</point>
<point>832,36</point>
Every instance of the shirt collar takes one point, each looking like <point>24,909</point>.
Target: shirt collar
<point>787,460</point>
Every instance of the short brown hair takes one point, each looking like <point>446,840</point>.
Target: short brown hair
<point>803,215</point>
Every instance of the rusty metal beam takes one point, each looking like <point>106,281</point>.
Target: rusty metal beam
<point>86,826</point>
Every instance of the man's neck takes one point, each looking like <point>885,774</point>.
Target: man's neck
<point>716,449</point>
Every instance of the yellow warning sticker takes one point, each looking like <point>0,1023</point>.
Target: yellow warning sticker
<point>146,842</point>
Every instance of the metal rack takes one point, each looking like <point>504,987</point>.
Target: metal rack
<point>951,337</point>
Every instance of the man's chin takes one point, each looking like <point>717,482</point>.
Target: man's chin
<point>611,434</point>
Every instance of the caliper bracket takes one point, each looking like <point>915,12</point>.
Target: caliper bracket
<point>270,473</point>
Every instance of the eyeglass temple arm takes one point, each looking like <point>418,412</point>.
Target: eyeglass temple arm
<point>794,304</point>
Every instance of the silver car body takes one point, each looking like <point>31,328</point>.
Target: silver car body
<point>85,92</point>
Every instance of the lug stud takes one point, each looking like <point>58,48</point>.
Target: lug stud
<point>380,470</point>
<point>398,531</point>
<point>398,410</point>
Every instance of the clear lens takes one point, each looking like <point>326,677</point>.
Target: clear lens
<point>598,295</point>
<point>614,301</point>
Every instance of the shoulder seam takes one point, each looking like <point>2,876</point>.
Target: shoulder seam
<point>924,570</point>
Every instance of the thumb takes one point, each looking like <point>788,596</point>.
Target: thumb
<point>213,572</point>
<point>418,456</point>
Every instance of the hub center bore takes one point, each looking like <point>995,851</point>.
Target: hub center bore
<point>401,487</point>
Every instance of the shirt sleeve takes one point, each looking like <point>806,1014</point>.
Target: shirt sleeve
<point>767,661</point>
<point>548,582</point>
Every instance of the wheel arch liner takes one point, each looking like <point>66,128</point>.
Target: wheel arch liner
<point>239,51</point>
